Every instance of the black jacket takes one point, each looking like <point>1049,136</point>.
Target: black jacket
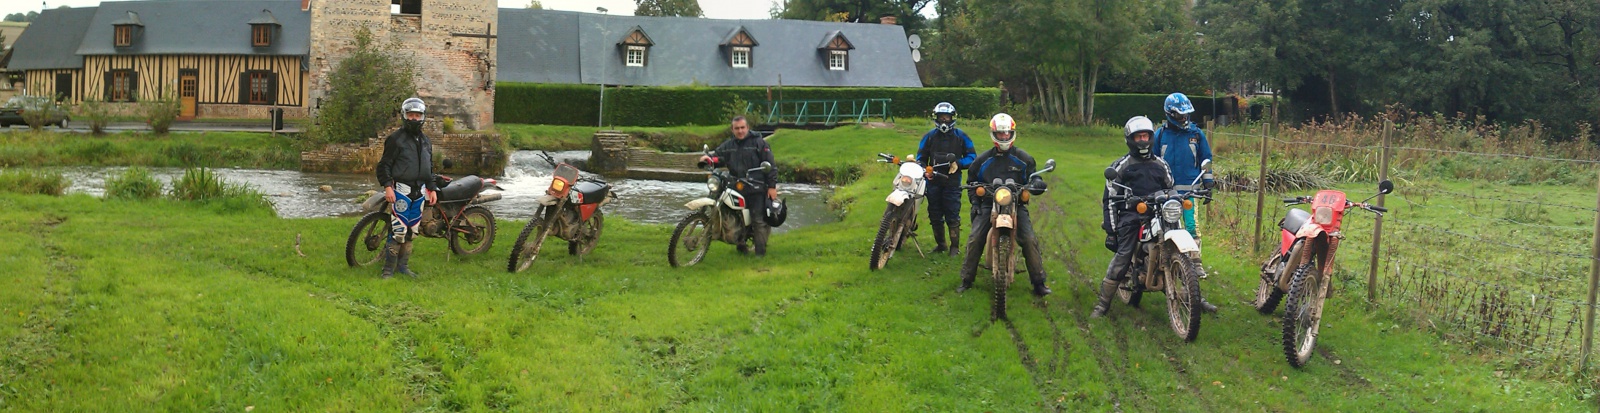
<point>992,164</point>
<point>407,159</point>
<point>739,155</point>
<point>1144,175</point>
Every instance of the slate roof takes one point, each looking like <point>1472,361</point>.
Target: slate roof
<point>197,27</point>
<point>52,39</point>
<point>549,46</point>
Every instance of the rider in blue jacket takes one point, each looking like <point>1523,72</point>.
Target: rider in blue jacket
<point>1184,146</point>
<point>945,144</point>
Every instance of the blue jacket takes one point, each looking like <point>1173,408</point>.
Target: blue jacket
<point>954,143</point>
<point>1183,149</point>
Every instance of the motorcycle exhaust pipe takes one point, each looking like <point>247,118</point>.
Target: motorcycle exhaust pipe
<point>482,198</point>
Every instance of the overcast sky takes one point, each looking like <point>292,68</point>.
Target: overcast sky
<point>716,9</point>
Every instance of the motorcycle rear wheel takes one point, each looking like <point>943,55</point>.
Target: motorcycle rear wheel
<point>365,245</point>
<point>591,234</point>
<point>1002,273</point>
<point>526,250</point>
<point>1267,293</point>
<point>1183,295</point>
<point>693,235</point>
<point>1302,316</point>
<point>472,232</point>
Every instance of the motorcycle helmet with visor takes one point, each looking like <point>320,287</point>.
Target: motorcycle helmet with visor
<point>1177,108</point>
<point>409,106</point>
<point>1139,133</point>
<point>1003,131</point>
<point>944,116</point>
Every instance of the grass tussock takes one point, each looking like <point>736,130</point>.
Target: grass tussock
<point>201,185</point>
<point>25,181</point>
<point>136,183</point>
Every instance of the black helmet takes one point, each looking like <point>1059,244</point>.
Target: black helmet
<point>777,212</point>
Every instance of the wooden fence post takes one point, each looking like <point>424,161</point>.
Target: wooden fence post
<point>1377,225</point>
<point>1594,280</point>
<point>1261,189</point>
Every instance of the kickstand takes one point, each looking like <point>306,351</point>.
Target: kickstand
<point>919,246</point>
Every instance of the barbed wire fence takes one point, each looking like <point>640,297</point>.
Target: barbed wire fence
<point>1510,273</point>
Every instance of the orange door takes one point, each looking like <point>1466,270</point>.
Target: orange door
<point>187,85</point>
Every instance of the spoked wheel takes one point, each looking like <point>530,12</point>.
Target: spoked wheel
<point>1302,316</point>
<point>472,232</point>
<point>1183,295</point>
<point>1001,268</point>
<point>530,241</point>
<point>690,240</point>
<point>1267,293</point>
<point>890,231</point>
<point>589,234</point>
<point>365,245</point>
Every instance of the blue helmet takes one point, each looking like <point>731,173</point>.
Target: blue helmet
<point>1178,109</point>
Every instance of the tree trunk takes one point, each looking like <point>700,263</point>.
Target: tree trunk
<point>1094,80</point>
<point>1038,103</point>
<point>1066,102</point>
<point>1333,98</point>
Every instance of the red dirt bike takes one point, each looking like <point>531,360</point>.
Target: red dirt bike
<point>1309,243</point>
<point>1000,249</point>
<point>569,209</point>
<point>459,215</point>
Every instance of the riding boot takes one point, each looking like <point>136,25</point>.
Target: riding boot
<point>938,236</point>
<point>1207,306</point>
<point>390,258</point>
<point>405,259</point>
<point>1035,263</point>
<point>969,272</point>
<point>955,234</point>
<point>1107,288</point>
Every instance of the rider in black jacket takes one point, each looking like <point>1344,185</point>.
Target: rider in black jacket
<point>1145,174</point>
<point>407,164</point>
<point>1002,162</point>
<point>739,154</point>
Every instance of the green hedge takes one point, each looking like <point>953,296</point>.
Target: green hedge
<point>553,104</point>
<point>1115,108</point>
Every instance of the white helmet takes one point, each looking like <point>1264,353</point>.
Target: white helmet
<point>944,108</point>
<point>413,105</point>
<point>1003,124</point>
<point>1138,124</point>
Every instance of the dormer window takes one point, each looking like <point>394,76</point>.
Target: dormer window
<point>125,29</point>
<point>835,51</point>
<point>636,48</point>
<point>739,45</point>
<point>261,29</point>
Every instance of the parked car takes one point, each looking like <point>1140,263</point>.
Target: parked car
<point>11,112</point>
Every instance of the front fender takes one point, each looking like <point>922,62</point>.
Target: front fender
<point>1181,239</point>
<point>700,203</point>
<point>546,200</point>
<point>1309,231</point>
<point>898,197</point>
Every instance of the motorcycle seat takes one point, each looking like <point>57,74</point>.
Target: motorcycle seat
<point>592,192</point>
<point>1297,218</point>
<point>461,189</point>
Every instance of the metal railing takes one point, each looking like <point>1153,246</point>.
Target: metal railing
<point>825,112</point>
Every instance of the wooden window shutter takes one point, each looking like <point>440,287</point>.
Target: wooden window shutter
<point>272,88</point>
<point>133,86</point>
<point>244,88</point>
<point>107,81</point>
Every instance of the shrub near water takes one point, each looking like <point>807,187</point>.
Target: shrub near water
<point>33,182</point>
<point>135,183</point>
<point>204,186</point>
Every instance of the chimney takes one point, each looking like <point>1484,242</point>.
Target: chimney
<point>305,5</point>
<point>889,20</point>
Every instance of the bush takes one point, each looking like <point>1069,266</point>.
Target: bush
<point>34,182</point>
<point>449,125</point>
<point>37,110</point>
<point>204,186</point>
<point>1115,108</point>
<point>675,106</point>
<point>160,112</point>
<point>365,91</point>
<point>135,183</point>
<point>95,111</point>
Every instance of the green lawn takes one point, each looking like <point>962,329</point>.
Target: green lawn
<point>167,306</point>
<point>178,149</point>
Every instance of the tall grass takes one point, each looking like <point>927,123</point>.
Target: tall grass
<point>135,183</point>
<point>211,149</point>
<point>204,186</point>
<point>33,182</point>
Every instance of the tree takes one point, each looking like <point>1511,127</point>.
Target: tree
<point>536,5</point>
<point>909,12</point>
<point>683,8</point>
<point>365,90</point>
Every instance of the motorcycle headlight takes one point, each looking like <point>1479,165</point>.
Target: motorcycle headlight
<point>905,183</point>
<point>1323,215</point>
<point>712,184</point>
<point>1172,210</point>
<point>1002,196</point>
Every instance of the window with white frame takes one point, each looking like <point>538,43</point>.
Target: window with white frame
<point>837,59</point>
<point>740,57</point>
<point>635,57</point>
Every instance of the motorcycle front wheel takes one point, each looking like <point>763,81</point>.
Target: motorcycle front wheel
<point>884,245</point>
<point>692,237</point>
<point>473,231</point>
<point>526,249</point>
<point>591,230</point>
<point>1001,268</point>
<point>1302,316</point>
<point>1183,295</point>
<point>365,245</point>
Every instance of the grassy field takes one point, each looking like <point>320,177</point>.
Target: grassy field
<point>209,149</point>
<point>168,306</point>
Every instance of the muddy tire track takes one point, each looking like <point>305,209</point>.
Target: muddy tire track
<point>37,345</point>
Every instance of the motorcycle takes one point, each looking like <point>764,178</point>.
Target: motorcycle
<point>458,215</point>
<point>721,215</point>
<point>900,217</point>
<point>1167,258</point>
<point>1000,248</point>
<point>1308,246</point>
<point>569,209</point>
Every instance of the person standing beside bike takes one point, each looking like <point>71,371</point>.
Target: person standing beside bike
<point>1144,174</point>
<point>945,144</point>
<point>1184,147</point>
<point>406,173</point>
<point>1004,161</point>
<point>740,153</point>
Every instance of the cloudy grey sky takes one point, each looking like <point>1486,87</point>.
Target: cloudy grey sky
<point>716,9</point>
